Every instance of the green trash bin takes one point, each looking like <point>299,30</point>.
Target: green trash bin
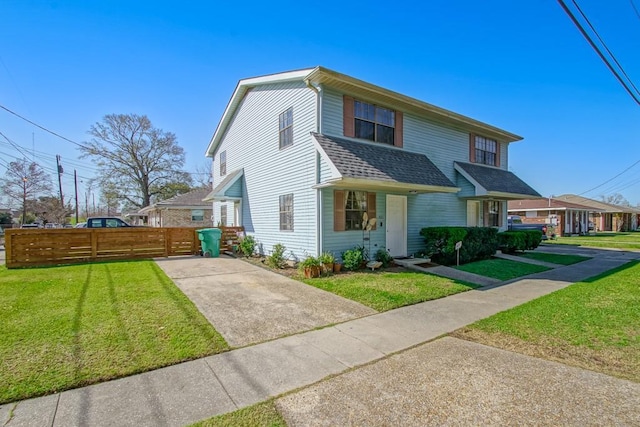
<point>210,241</point>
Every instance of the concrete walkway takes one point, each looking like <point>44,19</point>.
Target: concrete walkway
<point>248,304</point>
<point>191,391</point>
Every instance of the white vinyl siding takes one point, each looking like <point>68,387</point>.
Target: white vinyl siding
<point>442,144</point>
<point>252,143</point>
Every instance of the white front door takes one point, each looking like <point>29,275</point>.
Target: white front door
<point>397,225</point>
<point>473,212</point>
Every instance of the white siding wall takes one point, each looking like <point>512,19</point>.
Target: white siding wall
<point>252,143</point>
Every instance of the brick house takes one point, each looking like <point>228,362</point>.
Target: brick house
<point>183,210</point>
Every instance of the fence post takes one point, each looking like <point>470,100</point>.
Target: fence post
<point>94,244</point>
<point>167,241</point>
<point>7,249</point>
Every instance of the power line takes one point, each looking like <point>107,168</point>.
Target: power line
<point>42,127</point>
<point>597,50</point>
<point>605,45</point>
<point>609,180</point>
<point>633,5</point>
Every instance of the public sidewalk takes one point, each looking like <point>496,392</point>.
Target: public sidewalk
<point>191,391</point>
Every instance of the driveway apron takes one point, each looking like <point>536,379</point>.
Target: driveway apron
<point>248,304</point>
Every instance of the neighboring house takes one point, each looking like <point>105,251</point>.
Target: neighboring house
<point>183,210</point>
<point>610,217</point>
<point>299,157</point>
<point>567,218</point>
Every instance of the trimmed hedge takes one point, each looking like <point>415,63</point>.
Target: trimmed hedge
<point>477,243</point>
<point>523,240</point>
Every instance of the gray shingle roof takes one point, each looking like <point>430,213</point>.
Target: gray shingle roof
<point>380,163</point>
<point>192,198</point>
<point>498,180</point>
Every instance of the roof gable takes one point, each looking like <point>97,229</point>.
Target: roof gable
<point>319,76</point>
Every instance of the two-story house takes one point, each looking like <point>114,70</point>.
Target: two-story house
<point>299,157</point>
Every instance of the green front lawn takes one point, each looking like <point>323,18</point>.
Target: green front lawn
<point>593,324</point>
<point>388,290</point>
<point>554,258</point>
<point>623,240</point>
<point>65,327</point>
<point>501,269</point>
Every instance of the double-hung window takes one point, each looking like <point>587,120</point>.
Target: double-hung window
<point>223,215</point>
<point>486,151</point>
<point>286,128</point>
<point>350,207</point>
<point>223,163</point>
<point>374,123</point>
<point>286,212</point>
<point>493,214</point>
<point>355,207</point>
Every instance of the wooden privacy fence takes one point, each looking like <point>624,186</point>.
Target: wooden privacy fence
<point>39,247</point>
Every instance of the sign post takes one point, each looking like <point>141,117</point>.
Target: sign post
<point>458,246</point>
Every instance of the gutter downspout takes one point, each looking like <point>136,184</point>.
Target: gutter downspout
<point>319,228</point>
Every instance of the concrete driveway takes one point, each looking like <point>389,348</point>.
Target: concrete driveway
<point>248,304</point>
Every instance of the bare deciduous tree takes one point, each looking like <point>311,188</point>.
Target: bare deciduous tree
<point>135,159</point>
<point>25,181</point>
<point>615,199</point>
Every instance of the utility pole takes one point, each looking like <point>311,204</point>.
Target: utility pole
<point>75,180</point>
<point>60,171</point>
<point>24,199</point>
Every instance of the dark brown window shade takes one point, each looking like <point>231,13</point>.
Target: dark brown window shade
<point>338,210</point>
<point>349,129</point>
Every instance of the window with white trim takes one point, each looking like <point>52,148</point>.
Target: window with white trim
<point>286,128</point>
<point>286,212</point>
<point>223,163</point>
<point>223,214</point>
<point>197,214</point>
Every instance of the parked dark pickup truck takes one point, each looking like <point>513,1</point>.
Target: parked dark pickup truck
<point>514,223</point>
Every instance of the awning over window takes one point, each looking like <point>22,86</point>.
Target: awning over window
<point>228,189</point>
<point>378,167</point>
<point>494,183</point>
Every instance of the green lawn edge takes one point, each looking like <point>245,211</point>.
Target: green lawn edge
<point>72,326</point>
<point>593,324</point>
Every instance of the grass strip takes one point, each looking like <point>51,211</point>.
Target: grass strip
<point>388,290</point>
<point>560,259</point>
<point>501,269</point>
<point>262,414</point>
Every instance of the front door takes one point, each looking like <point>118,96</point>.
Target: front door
<point>473,212</point>
<point>397,225</point>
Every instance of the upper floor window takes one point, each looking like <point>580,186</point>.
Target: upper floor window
<point>286,212</point>
<point>486,151</point>
<point>223,163</point>
<point>374,123</point>
<point>286,128</point>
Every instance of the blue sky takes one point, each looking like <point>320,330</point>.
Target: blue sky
<point>521,66</point>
